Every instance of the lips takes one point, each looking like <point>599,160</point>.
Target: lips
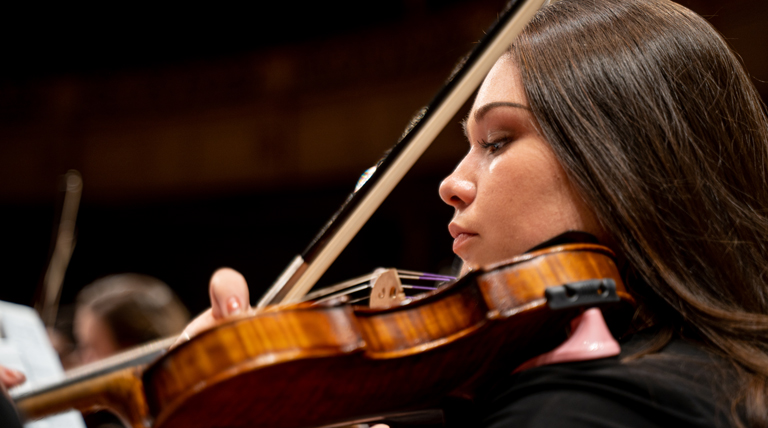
<point>460,236</point>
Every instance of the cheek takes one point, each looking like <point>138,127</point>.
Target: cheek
<point>515,193</point>
<point>529,201</point>
<point>522,180</point>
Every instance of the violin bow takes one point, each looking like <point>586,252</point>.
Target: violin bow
<point>377,182</point>
<point>49,292</point>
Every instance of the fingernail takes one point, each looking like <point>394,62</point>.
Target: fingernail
<point>233,306</point>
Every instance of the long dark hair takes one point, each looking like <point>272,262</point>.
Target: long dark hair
<point>659,127</point>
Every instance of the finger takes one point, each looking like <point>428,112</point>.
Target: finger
<point>229,293</point>
<point>10,377</point>
<point>229,296</point>
<point>201,323</point>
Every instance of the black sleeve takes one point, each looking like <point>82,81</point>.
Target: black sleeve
<point>8,416</point>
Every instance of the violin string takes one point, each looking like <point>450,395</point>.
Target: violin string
<point>360,299</point>
<point>425,275</point>
<point>315,295</point>
<point>418,287</point>
<point>337,288</point>
<point>363,282</point>
<point>344,293</point>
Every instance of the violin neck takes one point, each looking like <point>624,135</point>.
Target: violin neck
<point>138,356</point>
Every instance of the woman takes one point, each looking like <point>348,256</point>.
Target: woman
<point>654,140</point>
<point>631,120</point>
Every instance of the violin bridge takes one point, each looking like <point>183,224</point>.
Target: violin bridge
<point>386,289</point>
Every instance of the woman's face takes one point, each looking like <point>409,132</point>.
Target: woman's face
<point>509,192</point>
<point>95,339</point>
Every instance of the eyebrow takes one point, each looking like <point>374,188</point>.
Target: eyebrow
<point>482,111</point>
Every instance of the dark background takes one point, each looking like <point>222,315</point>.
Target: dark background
<point>222,137</point>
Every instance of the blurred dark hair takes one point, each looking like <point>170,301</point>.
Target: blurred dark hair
<point>136,308</point>
<point>661,130</point>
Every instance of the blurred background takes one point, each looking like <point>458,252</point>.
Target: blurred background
<point>217,137</point>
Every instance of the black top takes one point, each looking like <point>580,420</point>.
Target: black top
<point>680,386</point>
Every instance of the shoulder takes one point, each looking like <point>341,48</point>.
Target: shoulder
<point>679,386</point>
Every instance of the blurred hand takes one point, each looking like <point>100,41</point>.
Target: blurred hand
<point>229,297</point>
<point>10,378</point>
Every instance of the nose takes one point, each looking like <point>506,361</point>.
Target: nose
<point>457,190</point>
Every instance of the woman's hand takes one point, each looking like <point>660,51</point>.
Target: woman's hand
<point>229,297</point>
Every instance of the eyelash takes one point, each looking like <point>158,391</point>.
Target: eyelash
<point>494,146</point>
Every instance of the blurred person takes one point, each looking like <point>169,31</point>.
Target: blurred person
<point>118,312</point>
<point>121,311</point>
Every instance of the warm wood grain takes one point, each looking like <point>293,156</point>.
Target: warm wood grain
<point>120,392</point>
<point>311,365</point>
<point>389,359</point>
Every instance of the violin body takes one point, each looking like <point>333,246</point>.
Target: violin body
<point>305,365</point>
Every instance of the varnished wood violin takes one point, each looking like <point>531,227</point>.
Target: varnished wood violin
<point>310,365</point>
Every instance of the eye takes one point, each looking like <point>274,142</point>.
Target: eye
<point>493,146</point>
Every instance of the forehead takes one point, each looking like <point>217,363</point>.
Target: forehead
<point>501,84</point>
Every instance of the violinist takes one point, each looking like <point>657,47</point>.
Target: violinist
<point>633,121</point>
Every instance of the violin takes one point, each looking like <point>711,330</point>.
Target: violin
<point>305,365</point>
